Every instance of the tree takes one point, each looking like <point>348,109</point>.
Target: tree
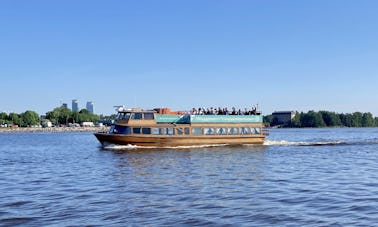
<point>331,119</point>
<point>4,118</point>
<point>346,119</point>
<point>86,116</point>
<point>357,119</point>
<point>30,118</point>
<point>60,115</point>
<point>15,119</point>
<point>296,121</point>
<point>312,119</point>
<point>268,119</point>
<point>367,120</point>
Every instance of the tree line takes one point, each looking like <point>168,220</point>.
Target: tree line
<point>58,116</point>
<point>326,119</point>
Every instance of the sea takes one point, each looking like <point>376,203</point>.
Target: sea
<point>299,177</point>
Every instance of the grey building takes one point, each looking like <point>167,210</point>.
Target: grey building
<point>75,105</point>
<point>282,117</point>
<point>90,107</point>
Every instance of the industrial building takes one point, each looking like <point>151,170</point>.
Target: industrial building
<point>283,117</point>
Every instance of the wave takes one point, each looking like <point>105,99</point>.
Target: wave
<point>266,143</point>
<point>120,147</point>
<point>316,143</point>
<point>321,143</point>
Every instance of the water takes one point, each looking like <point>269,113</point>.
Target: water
<point>312,177</point>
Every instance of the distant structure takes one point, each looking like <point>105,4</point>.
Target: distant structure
<point>282,117</point>
<point>64,105</point>
<point>90,107</point>
<point>75,105</point>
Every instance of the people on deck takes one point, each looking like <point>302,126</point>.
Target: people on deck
<point>223,111</point>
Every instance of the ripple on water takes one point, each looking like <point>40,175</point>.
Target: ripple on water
<point>67,179</point>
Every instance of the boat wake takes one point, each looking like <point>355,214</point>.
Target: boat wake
<point>266,143</point>
<point>288,143</point>
<point>320,143</point>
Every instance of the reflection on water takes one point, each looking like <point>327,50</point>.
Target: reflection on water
<point>318,177</point>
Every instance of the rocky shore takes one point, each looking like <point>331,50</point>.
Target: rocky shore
<point>54,129</point>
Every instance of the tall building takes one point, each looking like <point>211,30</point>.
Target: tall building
<point>64,105</point>
<point>90,107</point>
<point>75,105</point>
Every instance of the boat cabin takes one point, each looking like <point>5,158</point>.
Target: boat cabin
<point>138,121</point>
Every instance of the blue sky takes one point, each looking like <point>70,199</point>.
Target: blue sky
<point>283,55</point>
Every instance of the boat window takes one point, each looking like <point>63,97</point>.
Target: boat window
<point>232,131</point>
<point>162,131</point>
<point>170,131</point>
<point>121,129</point>
<point>136,130</point>
<point>146,131</point>
<point>186,131</point>
<point>126,116</point>
<point>111,130</point>
<point>136,116</point>
<point>155,131</point>
<point>122,116</point>
<point>148,116</point>
<point>180,131</point>
<point>208,131</point>
<point>257,130</point>
<point>221,131</point>
<point>197,131</point>
<point>244,131</point>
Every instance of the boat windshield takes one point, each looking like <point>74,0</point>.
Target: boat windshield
<point>123,116</point>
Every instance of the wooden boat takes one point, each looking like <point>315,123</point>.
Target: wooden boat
<point>157,128</point>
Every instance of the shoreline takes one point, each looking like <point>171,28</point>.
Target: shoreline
<point>54,129</point>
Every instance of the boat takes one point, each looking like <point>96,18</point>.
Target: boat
<point>163,128</point>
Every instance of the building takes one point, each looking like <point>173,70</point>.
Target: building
<point>75,105</point>
<point>282,117</point>
<point>64,105</point>
<point>90,107</point>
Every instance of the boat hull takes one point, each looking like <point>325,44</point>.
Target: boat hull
<point>174,141</point>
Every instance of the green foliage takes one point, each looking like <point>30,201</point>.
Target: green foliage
<point>58,116</point>
<point>15,119</point>
<point>85,116</point>
<point>30,118</point>
<point>368,120</point>
<point>64,116</point>
<point>4,119</point>
<point>312,119</point>
<point>3,116</point>
<point>331,119</point>
<point>327,119</point>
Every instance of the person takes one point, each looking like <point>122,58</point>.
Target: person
<point>220,111</point>
<point>200,111</point>
<point>194,111</point>
<point>233,111</point>
<point>225,111</point>
<point>254,110</point>
<point>246,112</point>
